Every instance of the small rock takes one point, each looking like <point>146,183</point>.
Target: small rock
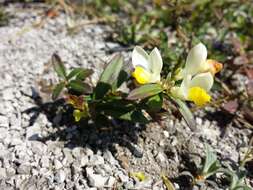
<point>16,141</point>
<point>166,134</point>
<point>123,178</point>
<point>33,132</point>
<point>4,121</point>
<point>109,157</point>
<point>108,168</point>
<point>96,160</point>
<point>160,157</point>
<point>52,146</point>
<point>96,180</point>
<point>84,161</point>
<point>78,152</point>
<point>38,147</point>
<point>110,181</point>
<point>138,152</point>
<point>68,155</point>
<point>3,173</point>
<point>88,151</point>
<point>10,172</point>
<point>146,184</point>
<point>57,164</point>
<point>60,176</point>
<point>8,94</point>
<point>24,169</point>
<point>44,162</point>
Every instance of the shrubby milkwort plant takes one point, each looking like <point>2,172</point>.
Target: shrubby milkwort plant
<point>147,89</point>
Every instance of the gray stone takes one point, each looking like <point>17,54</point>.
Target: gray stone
<point>68,155</point>
<point>123,178</point>
<point>161,157</point>
<point>96,160</point>
<point>88,151</point>
<point>8,94</point>
<point>24,169</point>
<point>16,141</point>
<point>78,152</point>
<point>138,152</point>
<point>109,157</point>
<point>57,164</point>
<point>10,172</point>
<point>33,132</point>
<point>96,180</point>
<point>3,173</point>
<point>52,146</point>
<point>60,176</point>
<point>4,121</point>
<point>44,161</point>
<point>38,147</point>
<point>110,182</point>
<point>84,161</point>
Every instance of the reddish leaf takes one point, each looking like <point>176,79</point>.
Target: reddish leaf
<point>249,87</point>
<point>76,101</point>
<point>231,106</point>
<point>249,73</point>
<point>248,113</point>
<point>51,13</point>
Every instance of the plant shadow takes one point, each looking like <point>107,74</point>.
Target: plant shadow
<point>100,135</point>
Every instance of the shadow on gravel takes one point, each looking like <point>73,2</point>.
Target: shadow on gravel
<point>223,120</point>
<point>99,135</point>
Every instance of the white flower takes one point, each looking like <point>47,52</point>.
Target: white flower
<point>197,62</point>
<point>147,67</point>
<point>198,76</point>
<point>192,86</point>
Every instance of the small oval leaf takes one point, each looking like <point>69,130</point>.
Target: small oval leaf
<point>57,90</point>
<point>145,91</point>
<point>186,113</point>
<point>79,73</point>
<point>79,86</point>
<point>111,73</point>
<point>58,66</point>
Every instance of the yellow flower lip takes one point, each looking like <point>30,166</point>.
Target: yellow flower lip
<point>198,95</point>
<point>141,75</point>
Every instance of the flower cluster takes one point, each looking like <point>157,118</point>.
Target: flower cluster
<point>197,76</point>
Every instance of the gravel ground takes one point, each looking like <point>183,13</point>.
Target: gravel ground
<point>40,149</point>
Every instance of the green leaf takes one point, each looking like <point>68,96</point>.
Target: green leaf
<point>210,160</point>
<point>186,113</point>
<point>57,90</point>
<point>121,109</point>
<point>101,90</point>
<point>79,86</point>
<point>111,73</point>
<point>123,76</point>
<point>58,66</point>
<point>138,116</point>
<point>79,73</point>
<point>145,91</point>
<point>154,103</point>
<point>110,78</point>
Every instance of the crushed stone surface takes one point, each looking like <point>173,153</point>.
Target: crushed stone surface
<point>38,150</point>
